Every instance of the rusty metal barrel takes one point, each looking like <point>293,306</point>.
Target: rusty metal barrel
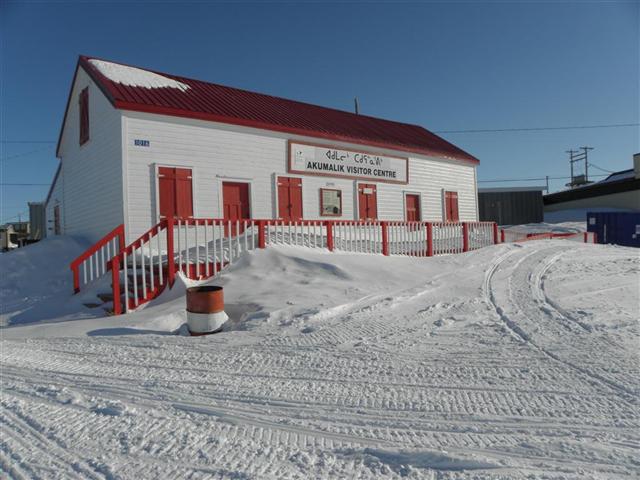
<point>205,309</point>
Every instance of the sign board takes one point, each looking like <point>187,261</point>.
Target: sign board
<point>337,162</point>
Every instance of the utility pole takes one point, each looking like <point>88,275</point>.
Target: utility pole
<point>579,156</point>
<point>355,101</point>
<point>586,162</point>
<point>571,161</point>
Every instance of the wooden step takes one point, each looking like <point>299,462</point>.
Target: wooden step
<point>105,297</point>
<point>92,305</point>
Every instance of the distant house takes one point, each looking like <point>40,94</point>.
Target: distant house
<point>8,237</point>
<point>137,146</point>
<point>619,191</point>
<point>511,205</point>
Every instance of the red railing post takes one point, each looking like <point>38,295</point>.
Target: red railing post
<point>329,227</point>
<point>502,235</point>
<point>385,238</point>
<point>76,278</point>
<point>585,237</point>
<point>121,244</point>
<point>429,239</point>
<point>115,284</point>
<point>465,236</point>
<point>262,238</point>
<point>495,233</point>
<point>171,264</point>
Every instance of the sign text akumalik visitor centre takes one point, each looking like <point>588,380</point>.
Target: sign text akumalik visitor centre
<point>329,161</point>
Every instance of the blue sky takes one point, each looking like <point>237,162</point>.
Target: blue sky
<point>446,66</point>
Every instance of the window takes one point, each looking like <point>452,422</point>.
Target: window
<point>84,115</point>
<point>330,202</point>
<point>176,194</point>
<point>451,206</point>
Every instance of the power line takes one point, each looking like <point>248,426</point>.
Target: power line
<point>537,129</point>
<point>27,141</point>
<point>24,184</point>
<point>15,216</point>
<point>530,179</point>
<point>481,130</point>
<point>600,168</point>
<point>24,154</point>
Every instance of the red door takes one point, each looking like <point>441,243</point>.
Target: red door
<point>367,201</point>
<point>451,206</point>
<point>235,204</point>
<point>290,198</point>
<point>176,192</point>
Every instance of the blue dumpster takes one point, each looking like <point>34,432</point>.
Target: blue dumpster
<point>620,228</point>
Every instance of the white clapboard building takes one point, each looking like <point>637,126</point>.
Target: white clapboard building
<point>137,146</point>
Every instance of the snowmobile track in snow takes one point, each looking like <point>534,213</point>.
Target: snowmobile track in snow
<point>534,290</point>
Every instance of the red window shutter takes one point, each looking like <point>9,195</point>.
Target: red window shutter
<point>166,184</point>
<point>451,206</point>
<point>184,193</point>
<point>84,116</point>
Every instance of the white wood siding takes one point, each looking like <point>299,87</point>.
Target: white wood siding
<point>93,173</point>
<point>218,152</point>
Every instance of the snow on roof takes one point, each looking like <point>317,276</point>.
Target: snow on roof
<point>135,77</point>
<point>621,175</point>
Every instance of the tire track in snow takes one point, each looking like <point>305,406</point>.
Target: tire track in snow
<point>22,430</point>
<point>524,336</point>
<point>548,306</point>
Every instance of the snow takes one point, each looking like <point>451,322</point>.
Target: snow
<point>554,227</point>
<point>514,361</point>
<point>135,77</point>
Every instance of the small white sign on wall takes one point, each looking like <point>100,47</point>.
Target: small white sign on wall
<point>334,162</point>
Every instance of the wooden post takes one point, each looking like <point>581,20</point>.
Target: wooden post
<point>495,233</point>
<point>76,278</point>
<point>171,263</point>
<point>115,284</point>
<point>465,236</point>
<point>121,244</point>
<point>429,239</point>
<point>329,227</point>
<point>262,239</point>
<point>385,238</point>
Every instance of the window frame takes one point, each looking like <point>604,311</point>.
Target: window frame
<point>322,190</point>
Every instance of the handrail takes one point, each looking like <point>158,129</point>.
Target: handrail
<point>94,249</point>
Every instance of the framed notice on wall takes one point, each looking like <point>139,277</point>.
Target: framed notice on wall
<point>330,202</point>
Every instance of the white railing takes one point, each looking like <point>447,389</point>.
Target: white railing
<point>303,233</point>
<point>357,237</point>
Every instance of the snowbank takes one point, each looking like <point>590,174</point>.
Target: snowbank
<point>36,283</point>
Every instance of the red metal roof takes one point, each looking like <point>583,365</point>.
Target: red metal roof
<point>208,101</point>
